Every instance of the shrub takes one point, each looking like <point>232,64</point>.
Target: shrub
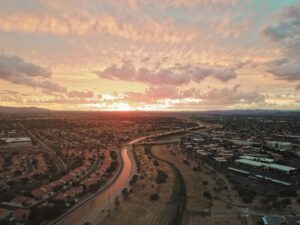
<point>133,179</point>
<point>113,155</point>
<point>247,199</point>
<point>286,201</point>
<point>161,177</point>
<point>87,223</point>
<point>125,193</point>
<point>154,197</point>
<point>276,205</point>
<point>288,193</point>
<point>113,166</point>
<point>207,195</point>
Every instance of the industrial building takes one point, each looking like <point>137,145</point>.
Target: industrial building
<point>280,146</point>
<point>271,166</point>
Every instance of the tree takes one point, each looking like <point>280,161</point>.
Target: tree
<point>133,179</point>
<point>286,201</point>
<point>207,195</point>
<point>117,202</point>
<point>113,155</point>
<point>87,223</point>
<point>125,193</point>
<point>154,197</point>
<point>161,177</point>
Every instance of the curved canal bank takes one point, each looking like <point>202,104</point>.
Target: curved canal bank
<point>91,209</point>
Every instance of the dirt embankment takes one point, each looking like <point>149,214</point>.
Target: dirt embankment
<point>206,192</point>
<point>137,208</point>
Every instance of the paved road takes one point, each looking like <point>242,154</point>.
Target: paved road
<point>61,166</point>
<point>91,210</point>
<point>28,164</point>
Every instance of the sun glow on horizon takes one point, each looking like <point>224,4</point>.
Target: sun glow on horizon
<point>124,106</point>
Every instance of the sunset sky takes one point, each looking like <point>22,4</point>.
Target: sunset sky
<point>150,54</point>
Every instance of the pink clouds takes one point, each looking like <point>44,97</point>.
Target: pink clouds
<point>154,94</point>
<point>15,70</point>
<point>229,96</point>
<point>177,53</point>
<point>224,96</point>
<point>176,75</point>
<point>70,23</point>
<point>285,35</point>
<point>80,94</point>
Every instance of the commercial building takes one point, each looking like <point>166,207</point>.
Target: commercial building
<point>17,143</point>
<point>280,146</point>
<point>280,220</point>
<point>264,165</point>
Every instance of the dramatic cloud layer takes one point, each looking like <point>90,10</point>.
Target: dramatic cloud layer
<point>150,54</point>
<point>286,35</point>
<point>14,69</point>
<point>177,75</point>
<point>60,19</point>
<point>224,96</point>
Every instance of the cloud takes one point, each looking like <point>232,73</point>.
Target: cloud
<point>287,69</point>
<point>80,94</point>
<point>63,100</point>
<point>154,94</point>
<point>229,96</point>
<point>171,94</point>
<point>230,28</point>
<point>14,65</point>
<point>163,4</point>
<point>57,19</point>
<point>15,70</point>
<point>287,26</point>
<point>176,75</point>
<point>285,35</point>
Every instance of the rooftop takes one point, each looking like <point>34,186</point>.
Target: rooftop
<point>269,165</point>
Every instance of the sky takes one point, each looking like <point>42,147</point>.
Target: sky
<point>150,54</point>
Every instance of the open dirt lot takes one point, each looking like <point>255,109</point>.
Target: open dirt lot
<point>206,209</point>
<point>138,208</point>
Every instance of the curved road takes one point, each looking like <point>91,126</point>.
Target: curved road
<point>91,210</point>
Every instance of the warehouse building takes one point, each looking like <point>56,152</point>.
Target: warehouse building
<point>271,166</point>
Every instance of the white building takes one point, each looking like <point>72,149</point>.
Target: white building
<point>279,145</point>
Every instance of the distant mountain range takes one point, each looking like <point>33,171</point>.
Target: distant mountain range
<point>5,109</point>
<point>250,112</point>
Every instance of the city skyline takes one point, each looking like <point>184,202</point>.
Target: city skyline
<point>150,55</point>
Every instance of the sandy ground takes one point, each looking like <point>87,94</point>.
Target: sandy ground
<point>199,209</point>
<point>138,209</point>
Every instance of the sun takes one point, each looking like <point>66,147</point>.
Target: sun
<point>121,106</point>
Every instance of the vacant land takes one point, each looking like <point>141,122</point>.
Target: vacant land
<point>137,208</point>
<point>207,197</point>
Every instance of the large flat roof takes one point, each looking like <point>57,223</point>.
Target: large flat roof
<point>16,139</point>
<point>262,159</point>
<point>238,170</point>
<point>269,165</point>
